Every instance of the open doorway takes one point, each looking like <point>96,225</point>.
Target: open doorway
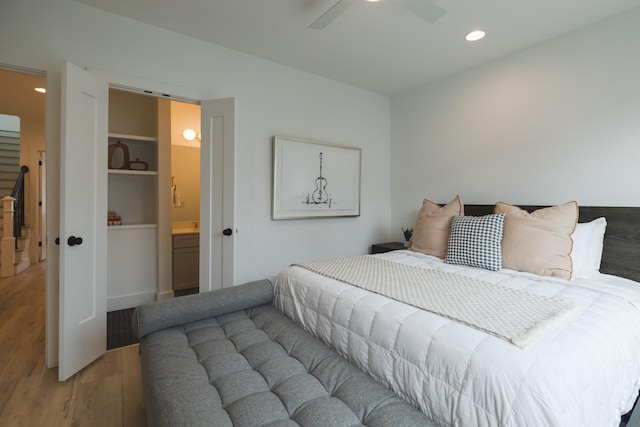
<point>153,198</point>
<point>23,125</point>
<point>185,197</point>
<point>22,106</point>
<point>152,240</point>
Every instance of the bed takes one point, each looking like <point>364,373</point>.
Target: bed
<point>583,370</point>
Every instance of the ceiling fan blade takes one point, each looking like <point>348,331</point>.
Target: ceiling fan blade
<point>331,14</point>
<point>425,9</point>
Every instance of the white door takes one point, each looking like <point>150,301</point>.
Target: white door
<point>83,227</point>
<point>217,159</point>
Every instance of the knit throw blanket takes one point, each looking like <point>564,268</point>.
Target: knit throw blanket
<point>514,315</point>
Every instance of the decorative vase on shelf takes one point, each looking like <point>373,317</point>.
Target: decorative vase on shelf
<point>407,243</point>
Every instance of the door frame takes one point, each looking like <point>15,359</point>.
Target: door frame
<point>41,205</point>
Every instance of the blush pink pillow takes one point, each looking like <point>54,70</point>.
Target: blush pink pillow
<point>538,242</point>
<point>433,224</point>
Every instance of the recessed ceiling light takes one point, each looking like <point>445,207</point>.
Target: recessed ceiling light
<point>373,0</point>
<point>41,90</point>
<point>474,36</point>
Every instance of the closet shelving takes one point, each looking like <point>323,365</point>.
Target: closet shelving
<point>133,192</point>
<point>132,264</point>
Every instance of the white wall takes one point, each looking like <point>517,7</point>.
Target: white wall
<point>185,161</point>
<point>185,173</point>
<point>270,99</point>
<point>556,122</point>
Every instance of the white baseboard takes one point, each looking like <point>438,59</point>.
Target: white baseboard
<point>127,301</point>
<point>165,295</point>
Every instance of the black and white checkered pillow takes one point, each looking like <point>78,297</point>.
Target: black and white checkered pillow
<point>476,241</point>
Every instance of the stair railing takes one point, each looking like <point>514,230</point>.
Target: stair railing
<point>18,194</point>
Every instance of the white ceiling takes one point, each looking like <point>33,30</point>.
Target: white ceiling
<point>379,46</point>
<point>376,46</point>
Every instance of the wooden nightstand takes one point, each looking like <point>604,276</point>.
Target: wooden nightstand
<point>379,248</point>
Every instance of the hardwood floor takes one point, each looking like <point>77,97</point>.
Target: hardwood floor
<point>106,393</point>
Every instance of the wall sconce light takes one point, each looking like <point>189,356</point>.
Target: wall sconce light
<point>190,134</point>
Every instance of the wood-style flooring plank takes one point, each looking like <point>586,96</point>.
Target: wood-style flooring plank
<point>6,390</point>
<point>106,393</point>
<point>133,401</point>
<point>39,398</point>
<point>22,314</point>
<point>98,402</point>
<point>110,363</point>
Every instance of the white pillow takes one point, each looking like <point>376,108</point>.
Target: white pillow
<point>586,253</point>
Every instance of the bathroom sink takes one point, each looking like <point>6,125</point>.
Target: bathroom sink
<point>185,230</point>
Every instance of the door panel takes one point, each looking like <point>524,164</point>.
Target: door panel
<point>217,157</point>
<point>83,207</point>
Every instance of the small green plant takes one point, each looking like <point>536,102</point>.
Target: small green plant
<point>407,233</point>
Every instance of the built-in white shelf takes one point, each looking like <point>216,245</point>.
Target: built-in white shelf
<point>131,226</point>
<point>131,172</point>
<point>132,137</point>
<point>132,258</point>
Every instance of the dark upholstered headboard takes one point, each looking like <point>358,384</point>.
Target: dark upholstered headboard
<point>621,253</point>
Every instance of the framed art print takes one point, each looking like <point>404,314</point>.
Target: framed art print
<point>314,179</point>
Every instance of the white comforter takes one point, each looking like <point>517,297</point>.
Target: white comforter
<point>585,372</point>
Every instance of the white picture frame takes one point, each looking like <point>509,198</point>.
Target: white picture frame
<point>313,179</point>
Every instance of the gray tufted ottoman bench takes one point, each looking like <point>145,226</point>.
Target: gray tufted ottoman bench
<point>228,358</point>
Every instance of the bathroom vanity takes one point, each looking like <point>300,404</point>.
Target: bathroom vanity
<point>186,259</point>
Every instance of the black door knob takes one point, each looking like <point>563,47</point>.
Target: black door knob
<point>73,240</point>
<point>227,232</point>
<point>57,241</point>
